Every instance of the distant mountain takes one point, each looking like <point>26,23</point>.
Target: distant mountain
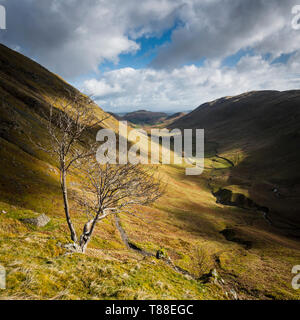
<point>145,117</point>
<point>260,133</point>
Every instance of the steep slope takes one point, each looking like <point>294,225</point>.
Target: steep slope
<point>176,116</point>
<point>26,90</point>
<point>260,133</point>
<point>115,115</point>
<point>252,261</point>
<point>170,119</point>
<point>29,186</point>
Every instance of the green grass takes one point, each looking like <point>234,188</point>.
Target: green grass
<point>39,269</point>
<point>185,220</point>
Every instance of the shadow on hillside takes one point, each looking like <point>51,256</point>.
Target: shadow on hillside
<point>256,174</point>
<point>271,184</point>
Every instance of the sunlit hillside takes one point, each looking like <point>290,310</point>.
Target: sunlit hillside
<point>210,250</point>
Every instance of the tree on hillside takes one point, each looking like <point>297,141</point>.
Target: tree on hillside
<point>107,188</point>
<point>110,189</point>
<point>68,123</point>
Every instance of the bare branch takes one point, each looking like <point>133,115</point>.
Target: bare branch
<point>110,189</point>
<point>69,123</point>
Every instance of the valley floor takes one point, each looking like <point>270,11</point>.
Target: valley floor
<point>186,224</point>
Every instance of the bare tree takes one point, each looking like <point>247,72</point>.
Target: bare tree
<point>68,123</point>
<point>110,189</point>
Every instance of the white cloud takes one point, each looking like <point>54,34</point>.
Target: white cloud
<point>219,28</point>
<point>101,88</point>
<point>187,87</point>
<point>72,37</point>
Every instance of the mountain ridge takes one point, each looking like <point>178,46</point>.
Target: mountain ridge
<point>263,129</point>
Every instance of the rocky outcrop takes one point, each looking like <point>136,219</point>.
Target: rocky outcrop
<point>40,221</point>
<point>230,235</point>
<point>229,198</point>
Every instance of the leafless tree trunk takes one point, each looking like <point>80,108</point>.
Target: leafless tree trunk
<point>111,189</point>
<point>63,184</point>
<point>67,126</point>
<point>107,188</point>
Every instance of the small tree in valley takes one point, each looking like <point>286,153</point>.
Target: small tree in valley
<point>110,189</point>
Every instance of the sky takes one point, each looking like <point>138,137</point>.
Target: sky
<point>160,55</point>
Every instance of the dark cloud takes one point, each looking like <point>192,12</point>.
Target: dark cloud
<point>217,29</point>
<point>73,37</point>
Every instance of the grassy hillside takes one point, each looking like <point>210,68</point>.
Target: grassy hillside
<point>29,186</point>
<point>260,133</point>
<point>186,223</point>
